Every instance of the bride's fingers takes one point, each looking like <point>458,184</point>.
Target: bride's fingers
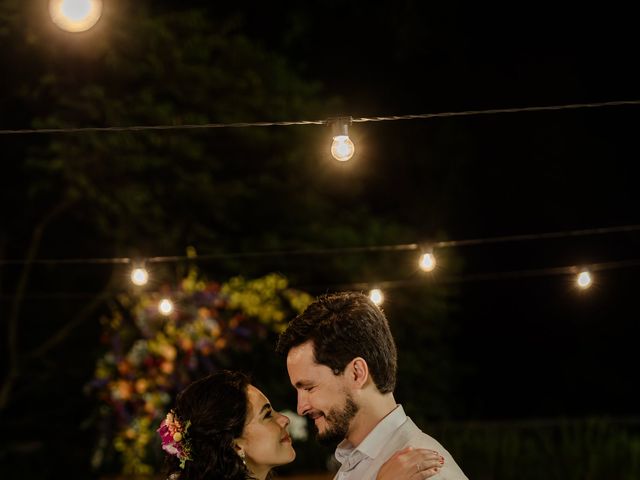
<point>426,468</point>
<point>425,456</point>
<point>428,473</point>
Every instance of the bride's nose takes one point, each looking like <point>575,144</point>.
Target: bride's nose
<point>283,420</point>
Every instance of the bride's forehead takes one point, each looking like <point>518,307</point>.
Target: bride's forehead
<point>257,399</point>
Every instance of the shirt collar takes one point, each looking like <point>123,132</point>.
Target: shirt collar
<point>376,440</point>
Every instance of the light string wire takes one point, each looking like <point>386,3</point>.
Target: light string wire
<point>391,284</point>
<point>326,251</point>
<point>475,277</point>
<point>422,116</point>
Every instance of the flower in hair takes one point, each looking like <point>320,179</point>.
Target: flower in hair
<point>174,437</point>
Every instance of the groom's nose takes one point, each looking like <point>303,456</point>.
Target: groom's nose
<point>303,402</point>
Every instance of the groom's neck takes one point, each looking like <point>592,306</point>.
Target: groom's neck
<point>372,410</point>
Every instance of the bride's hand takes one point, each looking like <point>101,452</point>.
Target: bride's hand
<point>411,464</point>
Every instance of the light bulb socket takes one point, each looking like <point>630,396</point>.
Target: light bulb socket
<point>340,125</point>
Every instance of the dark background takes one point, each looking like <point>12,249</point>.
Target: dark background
<point>533,346</point>
<point>514,348</point>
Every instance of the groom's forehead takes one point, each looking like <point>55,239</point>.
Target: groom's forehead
<point>302,355</point>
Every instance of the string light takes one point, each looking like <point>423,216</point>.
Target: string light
<point>401,247</point>
<point>427,262</point>
<point>376,296</point>
<point>584,279</point>
<point>567,270</point>
<point>139,276</point>
<point>422,116</point>
<point>75,15</point>
<point>165,307</point>
<point>342,147</point>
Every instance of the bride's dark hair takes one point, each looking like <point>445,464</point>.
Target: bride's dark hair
<point>216,407</point>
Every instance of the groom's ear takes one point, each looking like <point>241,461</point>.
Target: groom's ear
<point>359,372</point>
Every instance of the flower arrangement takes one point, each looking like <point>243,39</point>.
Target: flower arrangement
<point>150,357</point>
<point>174,437</point>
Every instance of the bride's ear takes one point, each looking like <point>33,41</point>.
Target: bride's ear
<point>239,450</point>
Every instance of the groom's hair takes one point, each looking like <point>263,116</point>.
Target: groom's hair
<point>343,326</point>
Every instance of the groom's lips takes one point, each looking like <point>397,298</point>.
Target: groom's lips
<point>315,417</point>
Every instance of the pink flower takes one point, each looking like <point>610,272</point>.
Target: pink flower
<point>172,434</point>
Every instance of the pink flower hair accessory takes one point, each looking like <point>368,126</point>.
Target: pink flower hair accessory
<point>174,437</point>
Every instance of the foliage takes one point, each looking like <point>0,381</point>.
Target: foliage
<point>150,357</point>
<point>559,449</point>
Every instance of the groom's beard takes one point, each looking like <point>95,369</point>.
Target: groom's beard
<point>338,422</point>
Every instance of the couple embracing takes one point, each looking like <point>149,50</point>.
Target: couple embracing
<point>342,361</point>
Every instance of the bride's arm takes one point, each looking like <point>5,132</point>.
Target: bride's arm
<point>411,464</point>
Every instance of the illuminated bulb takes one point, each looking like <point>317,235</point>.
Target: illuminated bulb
<point>342,148</point>
<point>584,279</point>
<point>376,296</point>
<point>139,276</point>
<point>165,306</point>
<point>75,15</point>
<point>427,262</point>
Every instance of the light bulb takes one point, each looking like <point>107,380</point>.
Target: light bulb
<point>376,296</point>
<point>342,148</point>
<point>139,276</point>
<point>75,15</point>
<point>165,307</point>
<point>427,262</point>
<point>584,279</point>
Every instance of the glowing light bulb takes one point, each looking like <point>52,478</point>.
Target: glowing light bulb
<point>139,276</point>
<point>75,15</point>
<point>584,279</point>
<point>427,262</point>
<point>165,307</point>
<point>376,296</point>
<point>342,148</point>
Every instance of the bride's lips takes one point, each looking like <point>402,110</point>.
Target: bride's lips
<point>285,439</point>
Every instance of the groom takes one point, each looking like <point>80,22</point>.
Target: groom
<point>342,361</point>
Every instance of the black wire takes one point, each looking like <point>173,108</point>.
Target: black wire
<point>325,251</point>
<point>390,284</point>
<point>422,116</point>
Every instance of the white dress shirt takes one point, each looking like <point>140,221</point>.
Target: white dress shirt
<point>394,432</point>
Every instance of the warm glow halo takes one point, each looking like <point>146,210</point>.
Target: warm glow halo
<point>427,262</point>
<point>342,148</point>
<point>139,276</point>
<point>376,296</point>
<point>165,307</point>
<point>584,279</point>
<point>75,15</point>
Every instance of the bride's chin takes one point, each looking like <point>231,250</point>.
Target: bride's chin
<point>292,455</point>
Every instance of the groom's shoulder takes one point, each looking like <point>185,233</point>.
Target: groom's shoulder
<point>413,436</point>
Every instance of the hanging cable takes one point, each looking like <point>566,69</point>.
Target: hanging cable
<point>327,251</point>
<point>206,126</point>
